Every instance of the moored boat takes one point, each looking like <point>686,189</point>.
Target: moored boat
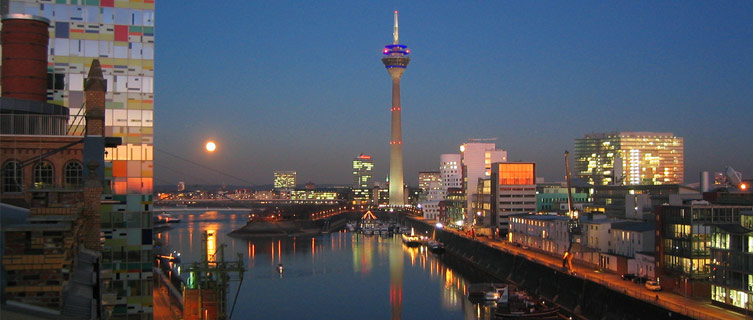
<point>436,246</point>
<point>519,305</point>
<point>411,239</point>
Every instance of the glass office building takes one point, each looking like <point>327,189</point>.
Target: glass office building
<point>285,180</point>
<point>732,264</point>
<point>630,158</point>
<point>363,171</point>
<point>121,35</point>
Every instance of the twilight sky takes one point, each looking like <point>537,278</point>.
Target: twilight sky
<point>299,85</point>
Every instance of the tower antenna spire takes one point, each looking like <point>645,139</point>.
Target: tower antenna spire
<point>395,34</point>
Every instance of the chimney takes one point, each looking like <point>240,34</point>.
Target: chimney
<point>24,64</point>
<point>95,88</point>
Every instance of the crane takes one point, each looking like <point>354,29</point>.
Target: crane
<point>573,224</point>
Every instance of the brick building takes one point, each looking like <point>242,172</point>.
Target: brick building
<point>51,178</point>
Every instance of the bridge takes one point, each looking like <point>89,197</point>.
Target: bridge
<point>243,203</point>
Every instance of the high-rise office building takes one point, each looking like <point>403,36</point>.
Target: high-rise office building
<point>477,158</point>
<point>513,192</point>
<point>630,158</point>
<point>396,60</point>
<point>121,35</point>
<point>363,171</point>
<point>285,179</point>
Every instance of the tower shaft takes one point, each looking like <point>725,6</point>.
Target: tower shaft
<point>397,197</point>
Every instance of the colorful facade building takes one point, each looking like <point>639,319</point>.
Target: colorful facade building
<point>552,197</point>
<point>630,158</point>
<point>121,35</point>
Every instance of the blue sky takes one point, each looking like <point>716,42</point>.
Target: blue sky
<point>294,85</point>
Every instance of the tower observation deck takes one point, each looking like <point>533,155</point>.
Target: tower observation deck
<point>396,60</point>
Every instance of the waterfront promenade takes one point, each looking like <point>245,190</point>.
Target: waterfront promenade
<point>694,308</point>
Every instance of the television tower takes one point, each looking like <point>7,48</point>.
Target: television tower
<point>396,60</point>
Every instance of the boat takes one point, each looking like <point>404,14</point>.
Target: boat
<point>279,268</point>
<point>482,291</point>
<point>352,226</point>
<point>435,246</point>
<point>519,305</point>
<point>497,294</point>
<point>411,240</point>
<point>367,231</point>
<point>164,217</point>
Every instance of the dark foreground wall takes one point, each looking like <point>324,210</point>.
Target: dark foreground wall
<point>583,298</point>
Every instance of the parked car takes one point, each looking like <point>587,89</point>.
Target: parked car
<point>628,276</point>
<point>653,285</point>
<point>640,279</point>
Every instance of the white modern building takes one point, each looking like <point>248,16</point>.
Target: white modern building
<point>595,233</point>
<point>629,237</point>
<point>547,233</point>
<point>450,171</point>
<point>476,159</point>
<point>425,178</point>
<point>431,193</point>
<point>594,238</point>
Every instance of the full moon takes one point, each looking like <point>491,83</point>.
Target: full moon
<point>211,146</point>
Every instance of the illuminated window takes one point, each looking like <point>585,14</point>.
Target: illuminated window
<point>42,174</point>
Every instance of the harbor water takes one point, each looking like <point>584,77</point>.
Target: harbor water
<point>340,275</point>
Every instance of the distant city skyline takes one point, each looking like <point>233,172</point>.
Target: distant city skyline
<point>299,86</point>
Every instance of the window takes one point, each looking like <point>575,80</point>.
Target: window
<point>55,81</point>
<point>42,174</point>
<point>12,176</point>
<point>73,174</point>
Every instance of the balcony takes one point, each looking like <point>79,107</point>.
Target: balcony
<point>34,124</point>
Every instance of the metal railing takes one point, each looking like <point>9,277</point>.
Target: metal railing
<point>34,124</point>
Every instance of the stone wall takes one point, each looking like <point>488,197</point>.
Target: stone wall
<point>583,298</point>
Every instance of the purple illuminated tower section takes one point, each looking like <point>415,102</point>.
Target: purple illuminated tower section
<point>396,60</point>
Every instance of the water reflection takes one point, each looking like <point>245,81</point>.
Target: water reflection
<point>354,276</point>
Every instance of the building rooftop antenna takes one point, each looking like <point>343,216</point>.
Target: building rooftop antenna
<point>395,34</point>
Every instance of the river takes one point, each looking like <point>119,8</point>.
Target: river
<point>340,275</point>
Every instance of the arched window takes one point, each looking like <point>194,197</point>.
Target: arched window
<point>43,174</point>
<point>12,176</point>
<point>73,174</point>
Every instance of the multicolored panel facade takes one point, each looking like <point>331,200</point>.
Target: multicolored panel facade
<point>120,33</point>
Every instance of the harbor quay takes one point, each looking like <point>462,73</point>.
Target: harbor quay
<point>586,294</point>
